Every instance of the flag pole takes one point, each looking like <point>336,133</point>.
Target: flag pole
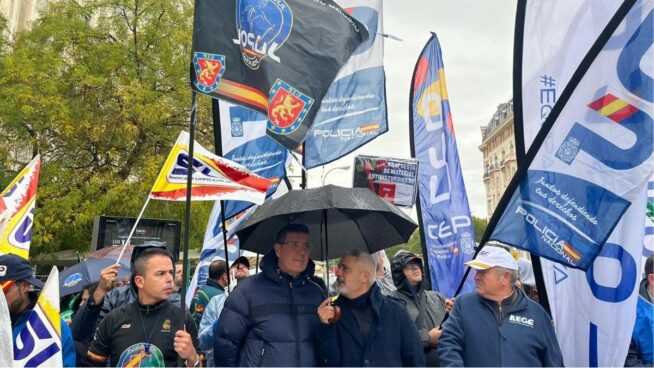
<point>187,214</point>
<point>129,237</point>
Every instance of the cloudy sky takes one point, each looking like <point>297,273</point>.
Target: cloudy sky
<point>476,38</point>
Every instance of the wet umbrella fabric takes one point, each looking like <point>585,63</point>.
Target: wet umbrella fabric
<point>339,219</point>
<point>76,277</point>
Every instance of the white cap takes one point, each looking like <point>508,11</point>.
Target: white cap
<point>491,256</point>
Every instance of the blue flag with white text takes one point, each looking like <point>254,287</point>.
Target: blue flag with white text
<point>445,220</point>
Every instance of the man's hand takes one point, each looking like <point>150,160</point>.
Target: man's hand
<point>107,277</point>
<point>326,311</point>
<point>449,304</point>
<point>184,347</point>
<point>434,334</point>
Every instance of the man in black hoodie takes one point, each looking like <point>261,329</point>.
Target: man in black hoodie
<point>426,308</point>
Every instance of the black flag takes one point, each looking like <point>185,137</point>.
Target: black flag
<point>275,56</point>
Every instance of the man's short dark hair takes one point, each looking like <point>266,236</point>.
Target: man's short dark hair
<point>291,228</point>
<point>649,265</point>
<point>140,264</point>
<point>217,269</point>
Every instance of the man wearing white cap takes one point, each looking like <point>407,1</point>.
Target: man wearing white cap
<point>498,325</point>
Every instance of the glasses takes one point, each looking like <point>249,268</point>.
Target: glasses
<point>411,266</point>
<point>297,245</point>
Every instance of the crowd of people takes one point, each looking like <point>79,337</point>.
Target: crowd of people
<point>284,315</point>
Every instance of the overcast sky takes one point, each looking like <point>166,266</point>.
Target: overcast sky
<point>476,38</point>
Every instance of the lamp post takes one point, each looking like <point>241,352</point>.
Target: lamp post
<point>324,176</point>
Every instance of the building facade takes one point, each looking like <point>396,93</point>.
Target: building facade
<point>498,149</point>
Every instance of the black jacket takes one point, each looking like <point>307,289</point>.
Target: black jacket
<point>392,339</point>
<point>426,308</point>
<point>270,319</point>
<point>121,340</point>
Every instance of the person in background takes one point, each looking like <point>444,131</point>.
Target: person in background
<point>641,351</point>
<point>179,274</point>
<point>240,269</point>
<point>497,324</point>
<point>372,329</point>
<point>215,285</point>
<point>16,279</point>
<point>383,276</point>
<point>426,308</point>
<point>527,281</point>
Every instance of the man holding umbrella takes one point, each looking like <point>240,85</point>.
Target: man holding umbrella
<point>269,319</point>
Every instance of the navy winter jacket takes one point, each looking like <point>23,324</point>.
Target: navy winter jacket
<point>481,332</point>
<point>393,340</point>
<point>270,319</point>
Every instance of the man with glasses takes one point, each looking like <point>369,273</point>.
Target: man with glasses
<point>426,308</point>
<point>270,319</point>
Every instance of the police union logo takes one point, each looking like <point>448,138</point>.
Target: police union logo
<point>287,108</point>
<point>209,68</point>
<point>263,26</point>
<point>467,243</point>
<point>73,279</point>
<point>137,356</point>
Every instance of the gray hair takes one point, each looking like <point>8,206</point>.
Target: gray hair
<point>364,258</point>
<point>515,276</point>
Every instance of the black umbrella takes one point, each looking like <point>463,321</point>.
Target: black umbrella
<point>339,219</point>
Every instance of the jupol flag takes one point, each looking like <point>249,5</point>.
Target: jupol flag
<point>276,57</point>
<point>17,203</point>
<point>214,178</point>
<point>445,222</point>
<point>353,112</point>
<point>596,332</point>
<point>38,344</point>
<point>594,154</point>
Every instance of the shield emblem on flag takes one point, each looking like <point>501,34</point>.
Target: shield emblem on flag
<point>209,68</point>
<point>288,107</point>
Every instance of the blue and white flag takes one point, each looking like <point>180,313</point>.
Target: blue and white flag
<point>594,154</point>
<point>353,112</point>
<point>443,210</point>
<point>597,330</point>
<point>244,141</point>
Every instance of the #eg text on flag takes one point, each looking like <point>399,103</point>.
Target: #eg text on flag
<point>277,57</point>
<point>593,155</point>
<point>214,178</point>
<point>17,205</point>
<point>446,223</point>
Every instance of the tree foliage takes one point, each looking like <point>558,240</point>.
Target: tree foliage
<point>101,90</point>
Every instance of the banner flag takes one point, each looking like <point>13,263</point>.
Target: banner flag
<point>277,57</point>
<point>598,330</point>
<point>17,204</point>
<point>38,344</point>
<point>244,141</point>
<point>353,112</point>
<point>214,177</point>
<point>213,246</point>
<point>393,179</point>
<point>592,157</point>
<point>445,221</point>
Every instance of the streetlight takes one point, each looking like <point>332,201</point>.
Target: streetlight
<point>324,176</point>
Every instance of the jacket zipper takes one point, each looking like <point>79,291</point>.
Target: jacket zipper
<point>297,327</point>
<point>499,333</point>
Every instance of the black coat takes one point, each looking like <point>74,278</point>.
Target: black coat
<point>270,319</point>
<point>392,341</point>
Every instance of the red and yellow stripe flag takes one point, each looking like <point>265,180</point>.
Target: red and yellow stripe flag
<point>214,177</point>
<point>17,203</point>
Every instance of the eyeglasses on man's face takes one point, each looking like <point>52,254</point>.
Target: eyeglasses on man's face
<point>298,245</point>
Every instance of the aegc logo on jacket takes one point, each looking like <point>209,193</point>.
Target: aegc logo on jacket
<point>263,26</point>
<point>521,320</point>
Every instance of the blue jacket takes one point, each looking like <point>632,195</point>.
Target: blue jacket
<point>208,326</point>
<point>270,319</point>
<point>67,346</point>
<point>392,340</point>
<point>481,332</point>
<point>641,351</point>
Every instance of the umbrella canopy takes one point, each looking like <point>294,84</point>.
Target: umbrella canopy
<point>75,278</point>
<point>339,219</point>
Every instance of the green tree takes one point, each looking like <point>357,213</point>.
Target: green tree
<point>479,224</point>
<point>101,91</point>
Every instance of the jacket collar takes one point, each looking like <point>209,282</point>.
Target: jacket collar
<point>349,322</point>
<point>213,283</point>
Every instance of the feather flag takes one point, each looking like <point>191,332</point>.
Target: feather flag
<point>214,178</point>
<point>17,203</point>
<point>38,344</point>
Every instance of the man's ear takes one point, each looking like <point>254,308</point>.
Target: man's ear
<point>139,281</point>
<point>650,279</point>
<point>277,247</point>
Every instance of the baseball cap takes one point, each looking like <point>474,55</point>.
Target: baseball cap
<point>15,268</point>
<point>242,260</point>
<point>491,256</point>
